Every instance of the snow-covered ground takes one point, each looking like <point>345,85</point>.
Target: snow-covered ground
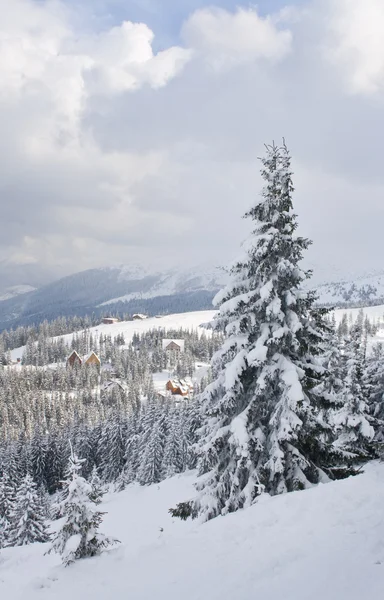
<point>326,543</point>
<point>374,313</point>
<point>357,290</point>
<point>194,320</point>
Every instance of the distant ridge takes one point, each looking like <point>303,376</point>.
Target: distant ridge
<point>126,289</point>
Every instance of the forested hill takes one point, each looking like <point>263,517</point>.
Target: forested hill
<point>117,290</point>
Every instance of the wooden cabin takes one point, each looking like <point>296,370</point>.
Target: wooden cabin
<point>109,320</point>
<point>92,359</point>
<point>74,359</point>
<point>178,387</point>
<point>139,317</point>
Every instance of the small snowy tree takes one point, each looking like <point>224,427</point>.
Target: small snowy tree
<point>261,430</point>
<point>78,537</point>
<point>97,488</point>
<point>27,520</point>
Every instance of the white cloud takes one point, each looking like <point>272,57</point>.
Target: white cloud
<point>111,152</point>
<point>355,42</point>
<point>39,48</point>
<point>122,59</point>
<point>49,159</point>
<point>227,39</point>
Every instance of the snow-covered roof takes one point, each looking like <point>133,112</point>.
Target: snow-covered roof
<point>180,384</point>
<point>139,316</point>
<point>74,353</point>
<point>180,343</point>
<point>88,356</point>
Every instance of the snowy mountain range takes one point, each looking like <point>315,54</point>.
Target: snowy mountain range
<point>360,291</point>
<point>133,288</point>
<point>119,289</point>
<point>15,290</point>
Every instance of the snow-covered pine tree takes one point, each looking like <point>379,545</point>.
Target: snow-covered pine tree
<point>113,444</point>
<point>98,491</point>
<point>7,505</point>
<point>356,433</point>
<point>374,383</point>
<point>78,537</point>
<point>132,455</point>
<point>150,470</point>
<point>173,460</point>
<point>328,398</point>
<point>260,430</point>
<point>27,520</point>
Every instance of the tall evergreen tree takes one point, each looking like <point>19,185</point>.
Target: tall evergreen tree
<point>261,428</point>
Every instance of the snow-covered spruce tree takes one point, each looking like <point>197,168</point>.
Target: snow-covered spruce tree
<point>151,466</point>
<point>132,455</point>
<point>97,488</point>
<point>174,459</point>
<point>78,536</point>
<point>374,384</point>
<point>27,520</point>
<point>7,506</point>
<point>356,433</point>
<point>261,428</point>
<point>329,397</point>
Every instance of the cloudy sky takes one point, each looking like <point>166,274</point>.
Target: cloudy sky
<point>130,129</point>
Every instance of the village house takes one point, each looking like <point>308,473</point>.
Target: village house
<point>109,320</point>
<point>74,359</point>
<point>139,317</point>
<point>179,387</point>
<point>173,349</point>
<point>92,359</point>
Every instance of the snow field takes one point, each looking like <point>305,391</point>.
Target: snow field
<point>323,543</point>
<point>189,321</point>
<point>193,320</point>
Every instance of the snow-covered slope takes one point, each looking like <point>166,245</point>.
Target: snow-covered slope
<point>359,291</point>
<point>126,289</point>
<point>190,321</point>
<point>324,543</point>
<point>15,290</point>
<point>134,288</point>
<point>173,282</point>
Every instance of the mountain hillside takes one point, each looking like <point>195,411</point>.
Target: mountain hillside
<point>360,291</point>
<point>326,542</point>
<point>15,290</point>
<point>117,290</point>
<point>129,289</point>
